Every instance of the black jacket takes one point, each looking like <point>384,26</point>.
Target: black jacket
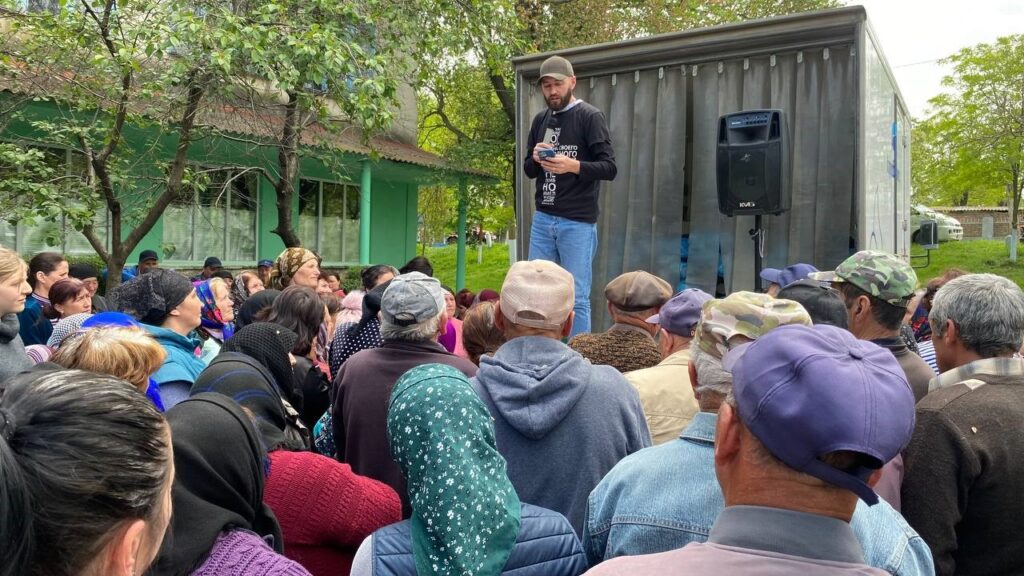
<point>582,133</point>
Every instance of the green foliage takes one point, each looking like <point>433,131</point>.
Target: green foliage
<point>990,256</point>
<point>467,89</point>
<point>488,274</point>
<point>971,149</point>
<point>93,260</point>
<point>167,70</point>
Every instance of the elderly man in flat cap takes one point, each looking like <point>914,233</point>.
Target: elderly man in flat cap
<point>665,390</point>
<point>629,344</point>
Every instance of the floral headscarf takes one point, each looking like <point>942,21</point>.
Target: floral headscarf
<point>239,290</point>
<point>211,315</point>
<point>465,512</point>
<point>287,263</point>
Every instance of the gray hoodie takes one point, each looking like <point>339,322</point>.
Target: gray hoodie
<point>12,351</point>
<point>561,422</point>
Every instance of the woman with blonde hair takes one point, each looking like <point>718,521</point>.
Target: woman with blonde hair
<point>128,353</point>
<point>14,290</point>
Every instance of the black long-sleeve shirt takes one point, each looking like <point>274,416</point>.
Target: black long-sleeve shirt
<point>582,133</point>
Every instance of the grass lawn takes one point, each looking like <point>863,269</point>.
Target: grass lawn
<point>973,256</point>
<point>490,273</point>
<point>970,255</point>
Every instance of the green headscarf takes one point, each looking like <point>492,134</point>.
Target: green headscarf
<point>465,512</point>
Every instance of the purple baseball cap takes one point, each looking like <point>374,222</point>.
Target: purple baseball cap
<point>807,391</point>
<point>787,275</point>
<point>681,314</point>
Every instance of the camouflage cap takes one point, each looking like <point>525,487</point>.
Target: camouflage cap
<point>880,274</point>
<point>744,314</point>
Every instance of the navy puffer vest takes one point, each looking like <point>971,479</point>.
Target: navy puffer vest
<point>546,546</point>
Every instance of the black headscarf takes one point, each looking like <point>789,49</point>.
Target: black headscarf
<point>220,472</point>
<point>352,338</point>
<point>257,302</point>
<point>151,297</point>
<point>269,344</point>
<point>251,381</point>
<point>371,307</point>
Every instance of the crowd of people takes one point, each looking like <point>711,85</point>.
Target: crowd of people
<point>267,422</point>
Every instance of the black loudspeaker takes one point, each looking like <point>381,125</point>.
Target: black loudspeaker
<point>929,234</point>
<point>750,160</point>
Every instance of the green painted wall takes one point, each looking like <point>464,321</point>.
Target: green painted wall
<point>392,223</point>
<point>393,190</point>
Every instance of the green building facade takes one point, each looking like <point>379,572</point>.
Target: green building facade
<point>233,215</point>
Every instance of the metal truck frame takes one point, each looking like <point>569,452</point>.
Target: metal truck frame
<point>847,138</point>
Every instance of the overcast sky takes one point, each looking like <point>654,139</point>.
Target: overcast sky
<point>916,33</point>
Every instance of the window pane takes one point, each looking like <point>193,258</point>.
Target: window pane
<point>209,217</point>
<point>33,238</point>
<point>242,218</point>
<point>352,223</point>
<point>8,232</point>
<point>69,178</point>
<point>75,242</point>
<point>332,226</point>
<point>308,191</point>
<point>178,220</point>
<point>51,6</point>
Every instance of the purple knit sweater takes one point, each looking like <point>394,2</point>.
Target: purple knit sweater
<point>243,553</point>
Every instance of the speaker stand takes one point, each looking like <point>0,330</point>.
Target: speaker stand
<point>757,235</point>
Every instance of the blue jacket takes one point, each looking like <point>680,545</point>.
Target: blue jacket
<point>181,367</point>
<point>561,422</point>
<point>546,546</point>
<point>666,497</point>
<point>34,327</point>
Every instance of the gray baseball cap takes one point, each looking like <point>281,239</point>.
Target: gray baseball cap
<point>411,299</point>
<point>555,67</point>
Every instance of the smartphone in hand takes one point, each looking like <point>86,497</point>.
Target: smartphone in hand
<point>546,153</point>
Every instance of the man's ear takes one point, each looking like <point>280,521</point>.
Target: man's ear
<point>665,341</point>
<point>862,307</point>
<point>951,334</point>
<point>567,327</point>
<point>442,326</point>
<point>875,477</point>
<point>499,318</point>
<point>727,434</point>
<point>693,378</point>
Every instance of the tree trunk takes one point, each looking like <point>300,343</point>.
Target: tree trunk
<point>1014,215</point>
<point>288,162</point>
<point>121,248</point>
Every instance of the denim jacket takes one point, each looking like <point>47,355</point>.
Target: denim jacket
<point>666,497</point>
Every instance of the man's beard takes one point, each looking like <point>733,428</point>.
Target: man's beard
<point>561,102</point>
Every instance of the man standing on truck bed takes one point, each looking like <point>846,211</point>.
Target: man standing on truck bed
<point>569,152</point>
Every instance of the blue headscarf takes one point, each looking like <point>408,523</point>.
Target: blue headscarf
<point>212,317</point>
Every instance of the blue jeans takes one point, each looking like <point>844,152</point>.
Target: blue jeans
<point>571,245</point>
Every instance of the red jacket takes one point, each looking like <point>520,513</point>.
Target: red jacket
<point>325,509</point>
